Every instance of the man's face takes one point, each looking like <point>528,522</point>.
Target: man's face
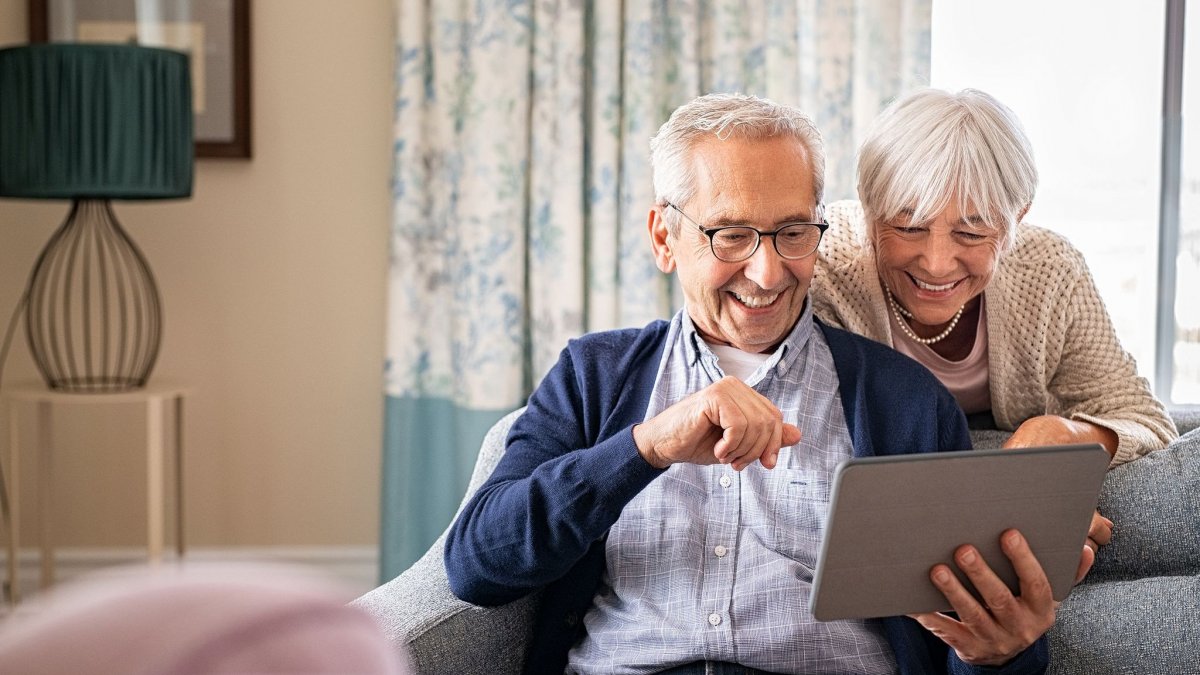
<point>753,304</point>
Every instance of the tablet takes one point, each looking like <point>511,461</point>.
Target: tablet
<point>892,518</point>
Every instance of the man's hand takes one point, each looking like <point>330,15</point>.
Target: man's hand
<point>996,631</point>
<point>726,422</point>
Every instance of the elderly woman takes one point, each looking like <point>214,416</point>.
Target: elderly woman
<point>937,263</point>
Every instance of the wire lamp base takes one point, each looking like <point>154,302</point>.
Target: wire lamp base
<point>94,318</point>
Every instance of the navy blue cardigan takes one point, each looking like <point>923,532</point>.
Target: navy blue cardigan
<point>570,466</point>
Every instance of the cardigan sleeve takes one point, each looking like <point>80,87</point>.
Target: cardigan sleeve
<point>1096,380</point>
<point>556,491</point>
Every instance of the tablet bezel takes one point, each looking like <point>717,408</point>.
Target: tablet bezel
<point>893,517</point>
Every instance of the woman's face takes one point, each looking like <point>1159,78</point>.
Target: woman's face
<point>935,267</point>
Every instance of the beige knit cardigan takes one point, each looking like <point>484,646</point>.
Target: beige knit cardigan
<point>1052,348</point>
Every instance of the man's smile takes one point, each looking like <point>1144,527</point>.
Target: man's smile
<point>755,301</point>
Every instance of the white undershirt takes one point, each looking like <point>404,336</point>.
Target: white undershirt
<point>736,362</point>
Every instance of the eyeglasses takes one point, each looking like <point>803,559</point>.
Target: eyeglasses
<point>736,243</point>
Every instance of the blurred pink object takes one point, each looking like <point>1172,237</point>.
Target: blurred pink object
<point>195,619</point>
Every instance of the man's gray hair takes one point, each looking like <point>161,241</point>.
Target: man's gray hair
<point>723,116</point>
<point>932,146</point>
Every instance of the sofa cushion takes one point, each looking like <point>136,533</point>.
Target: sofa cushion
<point>1154,503</point>
<point>1149,625</point>
<point>1138,611</point>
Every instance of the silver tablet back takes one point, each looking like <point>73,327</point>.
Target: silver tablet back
<point>892,518</point>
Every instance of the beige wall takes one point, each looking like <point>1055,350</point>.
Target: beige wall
<point>273,278</point>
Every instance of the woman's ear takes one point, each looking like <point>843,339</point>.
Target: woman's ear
<point>660,240</point>
<point>1021,215</point>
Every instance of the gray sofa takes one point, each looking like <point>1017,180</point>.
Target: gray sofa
<point>1137,612</point>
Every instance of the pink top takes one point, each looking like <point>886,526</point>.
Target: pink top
<point>967,379</point>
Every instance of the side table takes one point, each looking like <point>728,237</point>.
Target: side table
<point>154,399</point>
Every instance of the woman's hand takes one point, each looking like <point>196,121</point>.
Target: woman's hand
<point>1099,534</point>
<point>1055,430</point>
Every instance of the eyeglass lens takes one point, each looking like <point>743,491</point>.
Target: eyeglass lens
<point>733,244</point>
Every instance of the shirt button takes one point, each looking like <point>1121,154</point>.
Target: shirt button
<point>725,481</point>
<point>720,551</point>
<point>714,619</point>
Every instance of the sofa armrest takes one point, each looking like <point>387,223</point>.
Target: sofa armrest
<point>437,632</point>
<point>1186,418</point>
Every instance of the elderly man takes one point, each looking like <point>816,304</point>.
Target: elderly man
<point>666,486</point>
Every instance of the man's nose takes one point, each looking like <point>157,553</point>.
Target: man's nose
<point>765,267</point>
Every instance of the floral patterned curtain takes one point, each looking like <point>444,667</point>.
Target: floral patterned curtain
<point>522,184</point>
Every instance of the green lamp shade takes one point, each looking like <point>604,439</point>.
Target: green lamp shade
<point>81,121</point>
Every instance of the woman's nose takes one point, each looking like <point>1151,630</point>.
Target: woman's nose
<point>940,256</point>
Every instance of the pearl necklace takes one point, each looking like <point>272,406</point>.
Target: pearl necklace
<point>902,314</point>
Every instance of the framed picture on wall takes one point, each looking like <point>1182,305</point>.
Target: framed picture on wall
<point>214,33</point>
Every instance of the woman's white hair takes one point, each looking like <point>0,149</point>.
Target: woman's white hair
<point>932,146</point>
<point>725,116</point>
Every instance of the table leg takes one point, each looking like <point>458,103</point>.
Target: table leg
<point>45,492</point>
<point>14,505</point>
<point>179,533</point>
<point>154,478</point>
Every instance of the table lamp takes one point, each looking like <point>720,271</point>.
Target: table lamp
<point>92,123</point>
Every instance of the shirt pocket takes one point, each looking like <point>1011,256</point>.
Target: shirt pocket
<point>798,507</point>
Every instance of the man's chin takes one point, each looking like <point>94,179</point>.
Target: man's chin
<point>759,343</point>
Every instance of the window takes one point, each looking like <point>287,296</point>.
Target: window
<point>1186,382</point>
<point>1086,79</point>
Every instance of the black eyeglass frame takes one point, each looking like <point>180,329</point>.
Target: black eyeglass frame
<point>759,234</point>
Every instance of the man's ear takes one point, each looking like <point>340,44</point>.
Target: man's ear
<point>664,257</point>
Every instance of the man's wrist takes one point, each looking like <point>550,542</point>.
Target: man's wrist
<point>645,448</point>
